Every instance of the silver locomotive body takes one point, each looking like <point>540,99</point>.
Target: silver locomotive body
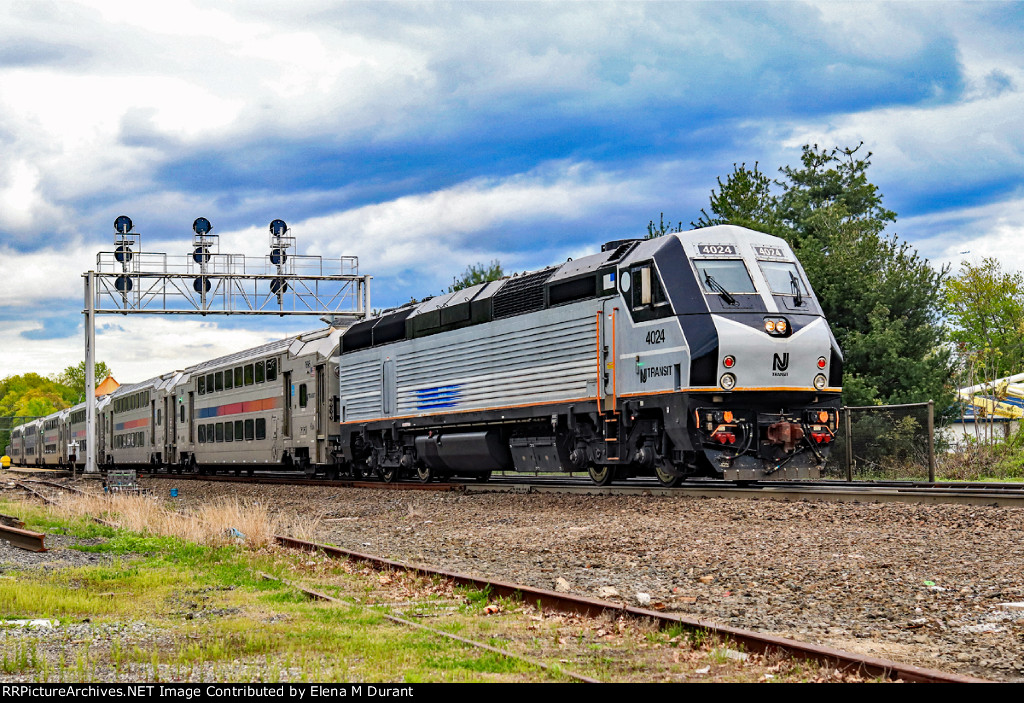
<point>697,353</point>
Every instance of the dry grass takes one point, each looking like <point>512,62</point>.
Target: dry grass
<point>221,521</point>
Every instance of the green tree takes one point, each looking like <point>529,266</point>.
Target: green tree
<point>73,377</point>
<point>984,307</point>
<point>477,273</point>
<point>882,300</point>
<point>29,395</point>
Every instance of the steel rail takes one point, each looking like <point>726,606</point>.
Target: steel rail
<point>24,539</point>
<point>402,621</point>
<point>754,641</point>
<point>335,483</point>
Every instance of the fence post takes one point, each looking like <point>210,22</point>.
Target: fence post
<point>931,441</point>
<point>849,444</point>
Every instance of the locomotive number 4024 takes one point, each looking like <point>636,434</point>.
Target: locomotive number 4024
<point>656,336</point>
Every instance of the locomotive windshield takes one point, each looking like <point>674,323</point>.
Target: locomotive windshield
<point>783,277</point>
<point>724,276</point>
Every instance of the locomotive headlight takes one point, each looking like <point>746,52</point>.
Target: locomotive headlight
<point>728,381</point>
<point>769,326</point>
<point>781,326</point>
<point>820,381</point>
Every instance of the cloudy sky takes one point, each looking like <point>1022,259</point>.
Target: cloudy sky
<point>426,137</point>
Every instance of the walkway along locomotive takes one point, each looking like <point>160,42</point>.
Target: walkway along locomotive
<point>697,353</point>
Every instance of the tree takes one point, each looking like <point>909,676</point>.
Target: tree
<point>985,309</point>
<point>477,273</point>
<point>882,300</point>
<point>30,395</point>
<point>73,377</point>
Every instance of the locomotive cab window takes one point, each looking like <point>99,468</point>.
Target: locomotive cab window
<point>728,274</point>
<point>783,277</point>
<point>642,287</point>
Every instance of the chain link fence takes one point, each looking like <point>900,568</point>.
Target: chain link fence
<point>884,443</point>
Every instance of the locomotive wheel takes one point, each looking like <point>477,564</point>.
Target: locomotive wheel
<point>666,478</point>
<point>601,475</point>
<point>424,473</point>
<point>389,474</point>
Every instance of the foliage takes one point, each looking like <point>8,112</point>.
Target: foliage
<point>882,300</point>
<point>73,377</point>
<point>477,273</point>
<point>32,395</point>
<point>985,308</point>
<point>661,228</point>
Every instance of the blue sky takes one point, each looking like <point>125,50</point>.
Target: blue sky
<point>423,138</point>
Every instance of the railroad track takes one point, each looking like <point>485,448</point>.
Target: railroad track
<point>753,641</point>
<point>1003,495</point>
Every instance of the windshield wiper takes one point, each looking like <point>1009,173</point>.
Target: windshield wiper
<point>715,285</point>
<point>794,284</point>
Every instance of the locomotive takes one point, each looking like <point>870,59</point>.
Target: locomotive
<point>701,353</point>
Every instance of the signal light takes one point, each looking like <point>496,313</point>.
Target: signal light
<point>729,361</point>
<point>821,362</point>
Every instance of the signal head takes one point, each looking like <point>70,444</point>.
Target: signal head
<point>202,226</point>
<point>278,228</point>
<point>123,224</point>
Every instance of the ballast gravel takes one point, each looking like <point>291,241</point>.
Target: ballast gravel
<point>939,586</point>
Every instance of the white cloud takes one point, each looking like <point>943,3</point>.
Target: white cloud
<point>974,233</point>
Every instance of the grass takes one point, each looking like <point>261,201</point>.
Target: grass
<point>161,607</point>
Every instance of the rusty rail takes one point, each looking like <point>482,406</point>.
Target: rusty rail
<point>753,641</point>
<point>24,539</point>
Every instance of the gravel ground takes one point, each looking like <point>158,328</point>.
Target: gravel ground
<point>940,586</point>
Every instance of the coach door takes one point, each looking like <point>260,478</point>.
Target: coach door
<point>321,412</point>
<point>169,428</point>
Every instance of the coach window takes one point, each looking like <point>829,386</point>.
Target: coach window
<point>158,422</point>
<point>202,434</point>
<point>238,377</point>
<point>229,378</point>
<point>259,372</point>
<point>248,375</point>
<point>238,429</point>
<point>229,435</point>
<point>261,428</point>
<point>219,430</point>
<point>182,413</point>
<point>201,385</point>
<point>209,383</point>
<point>249,429</point>
<point>218,381</point>
<point>303,395</point>
<point>271,369</point>
<point>209,432</point>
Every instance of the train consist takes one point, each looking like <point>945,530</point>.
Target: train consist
<point>702,353</point>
